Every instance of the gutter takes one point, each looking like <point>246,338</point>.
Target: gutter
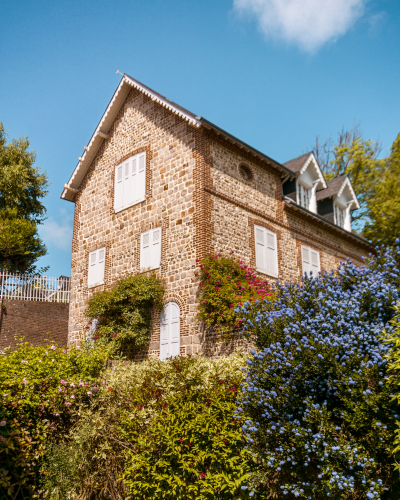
<point>291,204</point>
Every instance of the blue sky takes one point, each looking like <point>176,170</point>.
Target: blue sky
<point>275,73</point>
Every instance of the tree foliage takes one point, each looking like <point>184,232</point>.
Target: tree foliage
<point>321,418</point>
<point>22,186</point>
<point>375,181</point>
<point>383,223</point>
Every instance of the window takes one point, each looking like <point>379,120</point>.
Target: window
<point>310,258</point>
<point>130,182</point>
<point>245,172</point>
<point>339,215</point>
<point>266,251</point>
<point>150,249</point>
<point>96,267</point>
<point>170,336</point>
<point>303,196</point>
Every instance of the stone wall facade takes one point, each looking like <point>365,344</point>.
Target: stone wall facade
<point>196,193</point>
<point>36,321</point>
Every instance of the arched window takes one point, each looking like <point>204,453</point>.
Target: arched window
<point>170,335</point>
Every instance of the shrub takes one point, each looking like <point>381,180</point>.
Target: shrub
<point>124,313</point>
<point>39,387</point>
<point>165,428</point>
<point>225,284</point>
<point>321,417</point>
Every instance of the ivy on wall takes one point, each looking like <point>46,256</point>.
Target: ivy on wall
<point>124,313</point>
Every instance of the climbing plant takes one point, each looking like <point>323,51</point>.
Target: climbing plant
<point>124,312</point>
<point>226,283</point>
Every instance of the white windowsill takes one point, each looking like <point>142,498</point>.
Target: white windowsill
<point>267,274</point>
<point>96,284</point>
<point>145,269</point>
<point>127,206</point>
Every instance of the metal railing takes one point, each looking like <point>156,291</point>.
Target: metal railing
<point>41,288</point>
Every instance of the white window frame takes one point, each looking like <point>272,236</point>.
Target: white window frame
<point>303,190</point>
<point>266,253</point>
<point>96,267</point>
<point>130,177</point>
<point>151,244</point>
<point>166,338</point>
<point>309,266</point>
<point>339,212</point>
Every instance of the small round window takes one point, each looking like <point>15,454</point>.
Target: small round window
<point>245,172</point>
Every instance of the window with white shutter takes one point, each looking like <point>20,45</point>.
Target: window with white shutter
<point>310,259</point>
<point>150,249</point>
<point>266,251</point>
<point>170,336</point>
<point>130,182</point>
<point>303,196</point>
<point>96,267</point>
<point>339,215</point>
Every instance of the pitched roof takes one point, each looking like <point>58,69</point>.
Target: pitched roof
<point>333,187</point>
<point>101,132</point>
<point>296,164</point>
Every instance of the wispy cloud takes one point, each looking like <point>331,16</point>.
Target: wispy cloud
<point>57,233</point>
<point>307,23</point>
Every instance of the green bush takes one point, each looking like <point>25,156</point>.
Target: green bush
<point>39,389</point>
<point>159,430</point>
<point>124,313</point>
<point>225,284</point>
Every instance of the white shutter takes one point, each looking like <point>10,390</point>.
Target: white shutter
<point>128,184</point>
<point>170,331</point>
<point>315,266</point>
<point>134,179</point>
<point>92,272</point>
<point>260,248</point>
<point>156,248</point>
<point>145,250</point>
<point>305,251</point>
<point>272,254</point>
<point>174,329</point>
<point>101,265</point>
<point>164,340</point>
<point>141,182</point>
<point>118,188</point>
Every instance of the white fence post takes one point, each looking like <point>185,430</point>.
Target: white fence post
<point>15,286</point>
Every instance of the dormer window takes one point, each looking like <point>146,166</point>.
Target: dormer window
<point>303,195</point>
<point>340,215</point>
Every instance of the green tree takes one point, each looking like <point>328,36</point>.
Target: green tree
<point>22,186</point>
<point>383,224</point>
<point>355,157</point>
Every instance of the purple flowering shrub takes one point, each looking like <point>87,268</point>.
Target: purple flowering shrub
<point>40,387</point>
<point>316,409</point>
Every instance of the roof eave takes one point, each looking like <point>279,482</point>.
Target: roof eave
<point>219,131</point>
<point>318,217</point>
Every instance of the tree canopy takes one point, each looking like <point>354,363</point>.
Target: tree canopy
<point>22,186</point>
<point>375,181</point>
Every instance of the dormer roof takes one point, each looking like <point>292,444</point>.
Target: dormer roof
<point>336,187</point>
<point>300,164</point>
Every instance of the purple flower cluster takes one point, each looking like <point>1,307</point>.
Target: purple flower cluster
<point>316,410</point>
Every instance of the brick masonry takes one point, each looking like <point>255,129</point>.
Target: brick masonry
<point>196,193</point>
<point>36,321</point>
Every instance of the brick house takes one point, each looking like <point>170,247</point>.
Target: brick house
<point>158,187</point>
